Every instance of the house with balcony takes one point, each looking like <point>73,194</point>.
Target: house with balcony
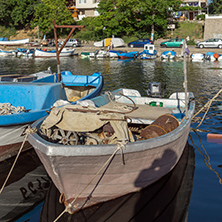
<point>83,8</point>
<point>191,14</point>
<point>88,8</point>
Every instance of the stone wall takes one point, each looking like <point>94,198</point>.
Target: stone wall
<point>213,26</point>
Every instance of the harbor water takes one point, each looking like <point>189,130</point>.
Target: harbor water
<point>191,192</point>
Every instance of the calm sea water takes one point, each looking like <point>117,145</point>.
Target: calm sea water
<point>193,191</point>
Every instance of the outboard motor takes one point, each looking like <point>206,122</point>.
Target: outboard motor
<point>154,89</point>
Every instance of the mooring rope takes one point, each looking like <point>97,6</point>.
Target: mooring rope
<point>207,105</point>
<point>27,131</point>
<point>120,146</point>
<point>206,157</point>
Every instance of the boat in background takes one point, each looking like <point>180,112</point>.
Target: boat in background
<point>114,53</point>
<point>26,78</point>
<point>24,102</point>
<point>23,52</point>
<point>149,52</point>
<point>85,55</point>
<point>128,55</point>
<point>212,56</point>
<point>98,54</point>
<point>41,53</point>
<point>168,55</point>
<point>5,41</point>
<point>5,52</point>
<point>197,57</point>
<point>82,146</point>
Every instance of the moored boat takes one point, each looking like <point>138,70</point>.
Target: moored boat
<point>212,56</point>
<point>149,52</point>
<point>120,143</point>
<point>170,195</point>
<point>98,54</point>
<point>25,102</point>
<point>128,55</point>
<point>84,55</point>
<point>197,57</point>
<point>39,53</point>
<point>114,53</point>
<point>5,52</point>
<point>168,55</point>
<point>26,78</point>
<point>23,52</point>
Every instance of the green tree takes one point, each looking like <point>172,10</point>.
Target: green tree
<point>215,7</point>
<point>134,17</point>
<point>16,13</point>
<point>48,11</point>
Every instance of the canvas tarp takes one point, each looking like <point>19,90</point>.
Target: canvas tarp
<point>70,119</point>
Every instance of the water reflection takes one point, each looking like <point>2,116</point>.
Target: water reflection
<point>204,80</point>
<point>165,200</point>
<point>26,187</point>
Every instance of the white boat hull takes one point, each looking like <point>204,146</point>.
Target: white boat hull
<point>72,168</point>
<point>11,140</point>
<point>64,53</point>
<point>15,42</point>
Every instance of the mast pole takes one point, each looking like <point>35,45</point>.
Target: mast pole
<point>185,77</point>
<point>58,51</point>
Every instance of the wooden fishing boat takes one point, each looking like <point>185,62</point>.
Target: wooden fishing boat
<point>170,195</point>
<point>24,102</point>
<point>39,53</point>
<point>168,55</point>
<point>118,143</point>
<point>5,41</point>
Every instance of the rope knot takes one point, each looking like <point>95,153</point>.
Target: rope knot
<point>30,130</point>
<point>121,146</point>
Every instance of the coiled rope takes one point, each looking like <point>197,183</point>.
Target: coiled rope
<point>27,131</point>
<point>120,146</point>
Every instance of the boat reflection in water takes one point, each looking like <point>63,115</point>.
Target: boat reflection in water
<point>165,200</point>
<point>25,189</point>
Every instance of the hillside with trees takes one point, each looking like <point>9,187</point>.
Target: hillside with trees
<point>117,17</point>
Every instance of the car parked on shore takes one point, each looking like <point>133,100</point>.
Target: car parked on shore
<point>174,42</point>
<point>71,43</point>
<point>139,43</point>
<point>210,43</point>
